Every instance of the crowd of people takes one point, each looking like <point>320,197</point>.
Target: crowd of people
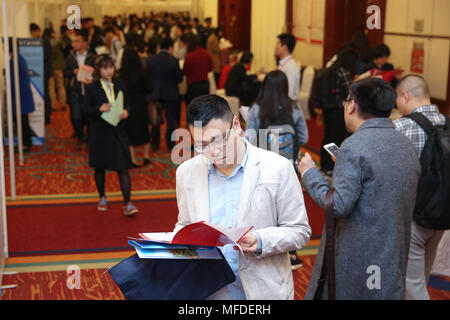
<point>130,41</point>
<point>86,69</point>
<point>160,60</point>
<point>139,57</point>
<point>380,199</point>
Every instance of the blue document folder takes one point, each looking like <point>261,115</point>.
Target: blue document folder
<point>148,250</point>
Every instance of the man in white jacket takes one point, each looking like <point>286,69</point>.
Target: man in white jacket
<point>283,50</point>
<point>234,184</point>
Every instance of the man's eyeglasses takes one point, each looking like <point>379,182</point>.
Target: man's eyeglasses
<point>216,144</point>
<point>347,101</point>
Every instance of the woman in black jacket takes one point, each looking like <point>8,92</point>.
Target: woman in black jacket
<point>331,95</point>
<point>239,84</point>
<point>108,145</point>
<point>138,87</point>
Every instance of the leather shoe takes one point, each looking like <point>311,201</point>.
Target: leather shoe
<point>135,165</point>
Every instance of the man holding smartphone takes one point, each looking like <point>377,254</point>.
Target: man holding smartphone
<point>331,148</point>
<point>374,182</point>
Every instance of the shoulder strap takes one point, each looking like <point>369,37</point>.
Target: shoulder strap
<point>328,264</point>
<point>422,121</point>
<point>329,244</point>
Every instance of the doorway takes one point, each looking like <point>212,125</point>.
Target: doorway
<point>235,17</point>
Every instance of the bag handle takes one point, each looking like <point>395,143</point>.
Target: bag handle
<point>330,221</point>
<point>328,264</point>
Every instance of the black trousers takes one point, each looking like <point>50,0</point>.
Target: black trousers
<point>217,78</point>
<point>47,102</point>
<point>77,117</point>
<point>171,114</point>
<point>26,130</point>
<point>335,131</point>
<point>196,89</point>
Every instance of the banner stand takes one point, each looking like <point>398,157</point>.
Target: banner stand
<point>3,221</point>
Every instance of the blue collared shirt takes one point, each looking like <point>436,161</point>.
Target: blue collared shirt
<point>224,194</point>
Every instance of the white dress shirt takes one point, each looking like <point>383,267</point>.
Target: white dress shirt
<point>290,67</point>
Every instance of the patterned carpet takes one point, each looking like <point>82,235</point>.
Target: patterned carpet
<point>58,168</point>
<point>45,277</point>
<point>97,284</point>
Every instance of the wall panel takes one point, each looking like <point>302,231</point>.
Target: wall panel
<point>268,21</point>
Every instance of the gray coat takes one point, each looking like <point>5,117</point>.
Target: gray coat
<point>374,180</point>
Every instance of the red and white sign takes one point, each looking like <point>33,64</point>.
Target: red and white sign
<point>417,58</point>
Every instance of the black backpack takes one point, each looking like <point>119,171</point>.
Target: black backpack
<point>432,209</point>
<point>322,95</point>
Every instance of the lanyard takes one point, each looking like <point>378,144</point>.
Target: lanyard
<point>284,64</point>
<point>111,97</point>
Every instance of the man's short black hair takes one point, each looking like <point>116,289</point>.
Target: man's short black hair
<point>134,25</point>
<point>34,27</point>
<point>288,40</point>
<point>247,57</point>
<point>208,107</point>
<point>375,97</point>
<point>380,51</point>
<point>181,27</point>
<point>84,34</point>
<point>194,41</point>
<point>109,29</point>
<point>166,43</point>
<point>185,38</point>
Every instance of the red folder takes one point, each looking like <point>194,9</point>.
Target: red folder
<point>200,234</point>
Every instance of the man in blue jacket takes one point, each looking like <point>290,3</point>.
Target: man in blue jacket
<point>26,96</point>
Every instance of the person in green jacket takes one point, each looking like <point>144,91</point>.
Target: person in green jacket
<point>57,89</point>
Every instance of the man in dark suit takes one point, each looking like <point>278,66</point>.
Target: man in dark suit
<point>35,32</point>
<point>205,31</point>
<point>76,89</point>
<point>165,74</point>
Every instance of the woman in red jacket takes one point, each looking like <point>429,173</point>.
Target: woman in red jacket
<point>197,65</point>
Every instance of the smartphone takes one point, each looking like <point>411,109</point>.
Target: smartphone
<point>331,148</point>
